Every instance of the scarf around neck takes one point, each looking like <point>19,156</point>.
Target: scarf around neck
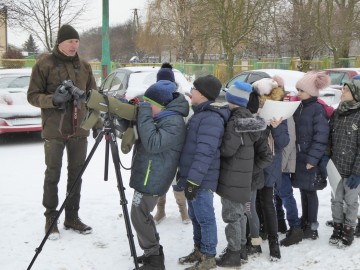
<point>348,107</point>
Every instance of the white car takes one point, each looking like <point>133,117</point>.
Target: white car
<point>16,113</point>
<point>130,82</point>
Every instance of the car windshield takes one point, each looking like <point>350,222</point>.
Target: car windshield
<point>338,77</point>
<point>241,77</point>
<point>14,82</point>
<point>139,82</point>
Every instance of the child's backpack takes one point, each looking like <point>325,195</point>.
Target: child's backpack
<point>328,109</point>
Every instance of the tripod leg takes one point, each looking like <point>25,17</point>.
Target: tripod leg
<point>116,159</point>
<point>106,170</point>
<point>68,195</point>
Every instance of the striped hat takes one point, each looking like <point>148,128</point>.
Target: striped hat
<point>239,93</point>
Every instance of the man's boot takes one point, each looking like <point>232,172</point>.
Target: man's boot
<point>181,201</point>
<point>75,223</point>
<point>160,210</point>
<point>54,233</point>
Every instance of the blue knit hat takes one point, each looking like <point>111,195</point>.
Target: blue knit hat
<point>165,73</point>
<point>239,93</point>
<point>160,93</point>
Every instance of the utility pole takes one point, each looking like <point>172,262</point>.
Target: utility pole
<point>135,22</point>
<point>105,51</point>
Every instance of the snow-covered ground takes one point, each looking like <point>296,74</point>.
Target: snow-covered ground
<point>107,248</point>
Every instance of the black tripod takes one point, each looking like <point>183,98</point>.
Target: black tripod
<point>109,131</point>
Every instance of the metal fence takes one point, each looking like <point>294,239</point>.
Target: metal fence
<point>192,71</point>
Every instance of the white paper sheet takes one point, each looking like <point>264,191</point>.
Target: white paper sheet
<point>333,176</point>
<point>278,109</point>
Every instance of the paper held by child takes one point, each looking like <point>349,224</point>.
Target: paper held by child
<point>333,176</point>
<point>278,109</point>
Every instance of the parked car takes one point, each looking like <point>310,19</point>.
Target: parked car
<point>14,78</point>
<point>16,114</point>
<point>130,82</point>
<point>330,95</point>
<point>341,75</point>
<point>290,78</point>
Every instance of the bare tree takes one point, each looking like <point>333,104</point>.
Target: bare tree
<point>337,36</point>
<point>301,32</point>
<point>233,22</point>
<point>43,18</point>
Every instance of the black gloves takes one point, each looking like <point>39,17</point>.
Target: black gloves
<point>95,132</point>
<point>60,97</point>
<point>353,181</point>
<point>191,190</point>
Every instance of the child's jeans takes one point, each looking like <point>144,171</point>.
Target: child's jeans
<point>202,215</point>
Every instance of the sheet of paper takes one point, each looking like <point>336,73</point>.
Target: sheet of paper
<point>278,109</point>
<point>333,176</point>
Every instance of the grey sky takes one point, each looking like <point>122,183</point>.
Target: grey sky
<point>119,12</point>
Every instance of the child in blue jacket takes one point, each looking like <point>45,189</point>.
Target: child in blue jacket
<point>199,169</point>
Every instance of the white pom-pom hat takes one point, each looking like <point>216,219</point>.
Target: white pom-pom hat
<point>264,86</point>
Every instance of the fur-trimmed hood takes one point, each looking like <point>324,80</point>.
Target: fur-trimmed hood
<point>250,124</point>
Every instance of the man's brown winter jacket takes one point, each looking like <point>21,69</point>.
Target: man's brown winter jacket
<point>47,74</point>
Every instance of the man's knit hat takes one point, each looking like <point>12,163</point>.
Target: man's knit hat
<point>312,82</point>
<point>67,32</point>
<point>209,86</point>
<point>354,87</point>
<point>239,93</point>
<point>165,73</point>
<point>160,93</point>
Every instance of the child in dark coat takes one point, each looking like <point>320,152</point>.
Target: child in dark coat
<point>312,133</point>
<point>237,162</point>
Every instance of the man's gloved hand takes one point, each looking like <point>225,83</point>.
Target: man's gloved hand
<point>95,132</point>
<point>60,97</point>
<point>191,190</point>
<point>353,181</point>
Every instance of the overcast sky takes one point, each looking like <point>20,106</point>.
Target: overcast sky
<point>119,12</point>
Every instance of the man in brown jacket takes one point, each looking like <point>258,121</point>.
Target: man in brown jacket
<point>62,111</point>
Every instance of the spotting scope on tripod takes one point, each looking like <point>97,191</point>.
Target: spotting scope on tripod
<point>111,110</point>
